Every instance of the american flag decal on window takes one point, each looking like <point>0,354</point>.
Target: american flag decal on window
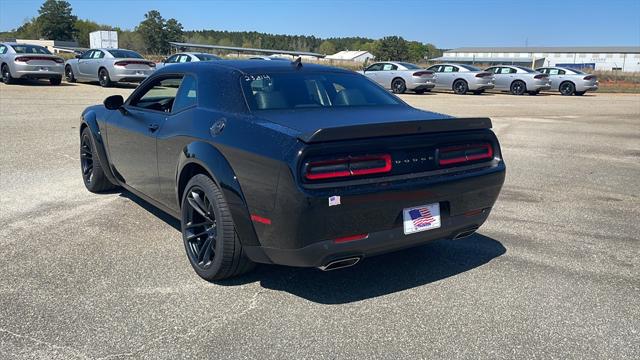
<point>421,217</point>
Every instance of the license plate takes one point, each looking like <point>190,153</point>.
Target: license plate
<point>421,218</point>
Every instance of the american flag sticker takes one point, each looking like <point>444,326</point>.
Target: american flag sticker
<point>334,200</point>
<point>421,218</point>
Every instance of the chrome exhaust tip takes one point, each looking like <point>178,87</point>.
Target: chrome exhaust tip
<point>465,233</point>
<point>340,264</point>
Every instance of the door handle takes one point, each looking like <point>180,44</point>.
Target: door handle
<point>153,127</point>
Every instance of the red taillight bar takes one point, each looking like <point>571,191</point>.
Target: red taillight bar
<point>29,58</point>
<point>345,239</point>
<point>260,219</point>
<point>421,73</point>
<point>347,167</point>
<point>589,77</point>
<point>540,76</point>
<point>465,153</point>
<point>483,74</point>
<point>125,63</point>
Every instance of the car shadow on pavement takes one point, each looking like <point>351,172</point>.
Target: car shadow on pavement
<point>372,277</point>
<point>380,275</point>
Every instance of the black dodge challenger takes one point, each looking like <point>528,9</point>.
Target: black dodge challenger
<point>284,163</point>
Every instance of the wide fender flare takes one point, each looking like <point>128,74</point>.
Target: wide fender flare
<point>221,172</point>
<point>97,143</point>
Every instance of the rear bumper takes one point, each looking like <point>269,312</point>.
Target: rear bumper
<point>303,225</point>
<point>586,87</point>
<point>323,252</point>
<point>125,75</point>
<point>418,83</point>
<point>37,71</point>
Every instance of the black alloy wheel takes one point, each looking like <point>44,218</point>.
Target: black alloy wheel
<point>6,75</point>
<point>86,158</point>
<point>518,87</point>
<point>208,231</point>
<point>68,74</point>
<point>460,87</point>
<point>567,88</point>
<point>103,77</point>
<point>398,86</point>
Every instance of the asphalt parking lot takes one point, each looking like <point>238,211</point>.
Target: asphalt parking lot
<point>554,273</point>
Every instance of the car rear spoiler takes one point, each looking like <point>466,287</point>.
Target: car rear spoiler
<point>395,129</point>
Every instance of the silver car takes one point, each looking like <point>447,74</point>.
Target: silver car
<point>462,78</point>
<point>186,57</point>
<point>401,76</point>
<point>519,79</point>
<point>570,81</point>
<point>108,66</point>
<point>25,61</point>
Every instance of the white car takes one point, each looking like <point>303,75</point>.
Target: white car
<point>187,57</point>
<point>401,76</point>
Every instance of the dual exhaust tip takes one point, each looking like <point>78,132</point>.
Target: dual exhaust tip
<point>350,261</point>
<point>340,263</point>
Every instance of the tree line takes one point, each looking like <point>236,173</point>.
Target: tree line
<point>56,21</point>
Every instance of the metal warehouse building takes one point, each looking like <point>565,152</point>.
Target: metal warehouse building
<point>624,58</point>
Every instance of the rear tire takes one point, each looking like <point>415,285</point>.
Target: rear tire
<point>209,234</point>
<point>92,174</point>
<point>6,75</point>
<point>68,74</point>
<point>518,87</point>
<point>55,81</point>
<point>567,88</point>
<point>103,78</point>
<point>460,87</point>
<point>579,93</point>
<point>398,86</point>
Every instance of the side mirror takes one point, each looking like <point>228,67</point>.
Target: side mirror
<point>164,60</point>
<point>113,102</point>
<point>78,56</point>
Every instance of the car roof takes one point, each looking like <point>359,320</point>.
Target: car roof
<point>251,67</point>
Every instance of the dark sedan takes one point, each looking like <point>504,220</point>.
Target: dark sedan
<point>282,163</point>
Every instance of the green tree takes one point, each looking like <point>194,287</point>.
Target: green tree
<point>152,31</point>
<point>417,51</point>
<point>174,31</point>
<point>84,28</point>
<point>56,21</point>
<point>392,48</point>
<point>327,48</point>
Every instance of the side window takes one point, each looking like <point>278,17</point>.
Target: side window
<point>552,71</point>
<point>97,54</point>
<point>375,67</point>
<point>159,95</point>
<point>187,94</point>
<point>435,68</point>
<point>561,72</point>
<point>449,69</point>
<point>491,70</point>
<point>184,58</point>
<point>87,55</point>
<point>3,49</point>
<point>389,67</point>
<point>172,59</point>
<point>506,70</point>
<point>543,70</point>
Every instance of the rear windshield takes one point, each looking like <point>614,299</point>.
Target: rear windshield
<point>470,68</point>
<point>529,70</point>
<point>123,54</point>
<point>271,91</point>
<point>207,57</point>
<point>30,49</point>
<point>410,66</point>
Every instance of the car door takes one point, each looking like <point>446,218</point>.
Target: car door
<point>171,60</point>
<point>448,75</point>
<point>504,75</point>
<point>436,69</point>
<point>83,63</point>
<point>131,134</point>
<point>556,76</point>
<point>373,72</point>
<point>388,73</point>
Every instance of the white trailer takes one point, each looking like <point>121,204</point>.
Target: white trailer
<point>103,39</point>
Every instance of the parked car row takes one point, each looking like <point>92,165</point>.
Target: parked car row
<point>109,66</point>
<point>400,77</point>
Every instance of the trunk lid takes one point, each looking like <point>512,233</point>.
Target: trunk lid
<point>334,124</point>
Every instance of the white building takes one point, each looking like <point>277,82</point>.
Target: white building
<point>357,56</point>
<point>624,58</point>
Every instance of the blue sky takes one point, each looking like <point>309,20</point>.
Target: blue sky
<point>446,24</point>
